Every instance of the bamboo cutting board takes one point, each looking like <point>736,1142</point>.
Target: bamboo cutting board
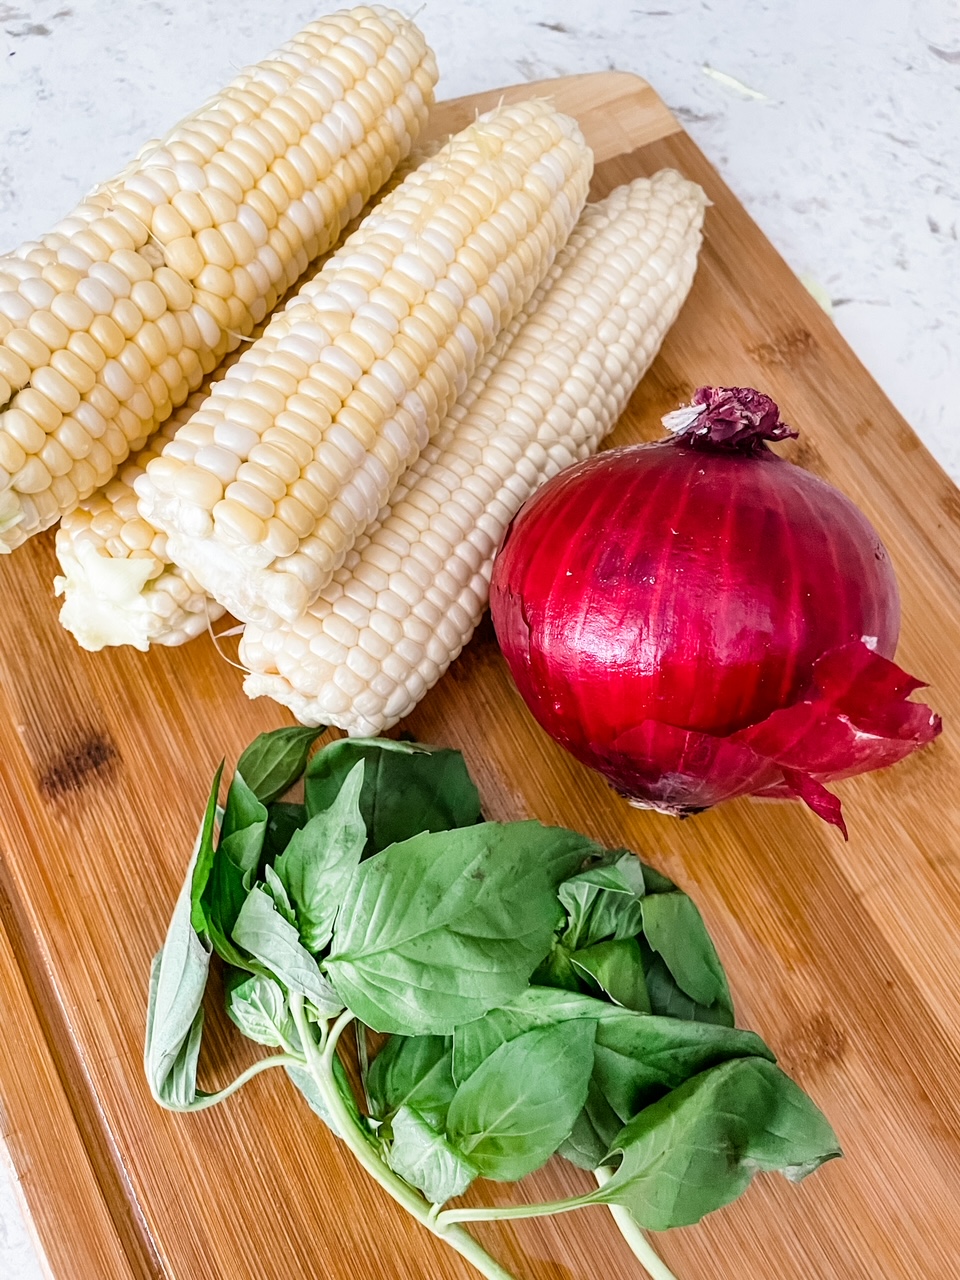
<point>845,957</point>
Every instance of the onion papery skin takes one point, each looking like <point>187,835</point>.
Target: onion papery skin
<point>684,615</point>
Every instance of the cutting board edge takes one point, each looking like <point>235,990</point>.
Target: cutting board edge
<point>53,1180</point>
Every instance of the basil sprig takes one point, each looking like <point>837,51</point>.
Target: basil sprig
<point>541,995</point>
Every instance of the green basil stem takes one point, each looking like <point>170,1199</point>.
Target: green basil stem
<point>517,1210</point>
<point>320,1066</point>
<point>319,1060</point>
<point>363,1058</point>
<point>262,1064</point>
<point>633,1235</point>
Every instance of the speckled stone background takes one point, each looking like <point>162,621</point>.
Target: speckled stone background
<point>836,122</point>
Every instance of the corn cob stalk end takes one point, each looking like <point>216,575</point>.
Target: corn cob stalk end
<point>135,600</point>
<point>102,596</point>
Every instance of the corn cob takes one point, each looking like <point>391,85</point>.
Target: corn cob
<point>119,587</point>
<point>118,584</point>
<point>108,322</point>
<point>265,490</point>
<point>413,589</point>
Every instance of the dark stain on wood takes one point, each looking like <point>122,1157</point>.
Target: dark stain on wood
<point>93,758</point>
<point>816,1042</point>
<point>785,349</point>
<point>675,394</point>
<point>950,504</point>
<point>907,439</point>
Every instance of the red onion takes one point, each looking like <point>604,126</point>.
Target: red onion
<point>699,619</point>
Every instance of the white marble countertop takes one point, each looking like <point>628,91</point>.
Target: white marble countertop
<point>837,125</point>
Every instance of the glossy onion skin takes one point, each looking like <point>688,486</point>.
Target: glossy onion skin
<point>657,599</point>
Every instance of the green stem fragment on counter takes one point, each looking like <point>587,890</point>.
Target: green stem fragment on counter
<point>634,1237</point>
<point>637,1241</point>
<point>205,1100</point>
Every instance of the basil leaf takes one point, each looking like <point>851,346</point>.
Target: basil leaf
<point>320,859</point>
<point>617,870</point>
<point>408,788</point>
<point>474,1042</point>
<point>698,1148</point>
<point>258,1006</point>
<point>241,841</point>
<point>674,928</point>
<point>274,761</point>
<point>232,955</point>
<point>412,1071</point>
<point>617,969</point>
<point>668,1001</point>
<point>233,867</point>
<point>557,970</point>
<point>639,1058</point>
<point>283,820</point>
<point>435,931</point>
<point>211,890</point>
<point>511,1115</point>
<point>424,1158</point>
<point>178,979</point>
<point>593,1132</point>
<point>603,902</point>
<point>203,856</point>
<point>241,812</point>
<point>654,882</point>
<point>180,1087</point>
<point>275,887</point>
<point>262,931</point>
<point>173,1081</point>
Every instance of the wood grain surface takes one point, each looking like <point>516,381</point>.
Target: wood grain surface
<point>846,957</point>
